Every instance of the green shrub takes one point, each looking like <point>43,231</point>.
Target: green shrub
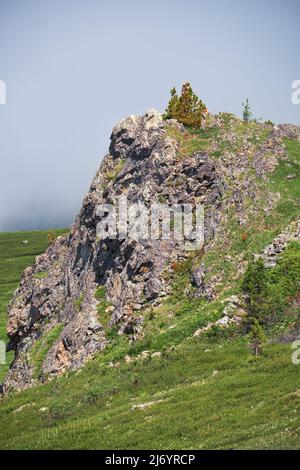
<point>257,338</point>
<point>254,286</point>
<point>100,293</point>
<point>104,315</point>
<point>269,291</point>
<point>42,347</point>
<point>41,275</point>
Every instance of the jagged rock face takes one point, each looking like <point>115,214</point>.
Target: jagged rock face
<point>58,292</point>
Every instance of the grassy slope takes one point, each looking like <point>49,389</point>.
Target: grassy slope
<point>243,405</point>
<point>201,393</point>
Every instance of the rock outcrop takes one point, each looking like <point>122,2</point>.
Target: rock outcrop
<point>272,252</point>
<point>58,293</point>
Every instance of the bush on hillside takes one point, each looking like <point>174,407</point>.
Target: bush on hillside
<point>51,237</point>
<point>270,291</point>
<point>254,287</point>
<point>257,338</point>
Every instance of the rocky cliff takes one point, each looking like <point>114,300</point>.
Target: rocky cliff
<point>83,285</point>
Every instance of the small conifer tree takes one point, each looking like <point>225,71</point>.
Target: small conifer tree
<point>247,114</point>
<point>257,338</point>
<point>187,108</point>
<point>172,105</point>
<point>254,285</point>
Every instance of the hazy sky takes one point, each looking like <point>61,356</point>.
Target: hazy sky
<point>74,68</point>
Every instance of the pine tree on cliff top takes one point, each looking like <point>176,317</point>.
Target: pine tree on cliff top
<point>172,105</point>
<point>187,108</point>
